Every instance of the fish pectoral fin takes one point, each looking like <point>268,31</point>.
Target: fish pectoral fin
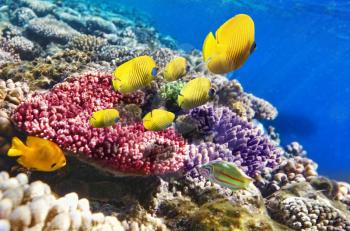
<point>17,147</point>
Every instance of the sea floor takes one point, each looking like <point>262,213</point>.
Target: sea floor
<point>56,64</point>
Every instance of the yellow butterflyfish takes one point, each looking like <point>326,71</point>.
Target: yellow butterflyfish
<point>104,118</point>
<point>175,69</point>
<point>232,45</point>
<point>38,154</point>
<point>134,74</point>
<point>158,119</point>
<point>196,92</point>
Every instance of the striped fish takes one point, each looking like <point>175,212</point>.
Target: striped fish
<point>134,74</point>
<point>232,45</point>
<point>225,174</point>
<point>158,119</point>
<point>104,118</point>
<point>196,92</point>
<point>175,69</point>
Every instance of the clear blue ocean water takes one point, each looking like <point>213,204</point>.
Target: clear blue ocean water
<point>301,65</point>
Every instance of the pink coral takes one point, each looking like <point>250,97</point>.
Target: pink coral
<point>62,114</point>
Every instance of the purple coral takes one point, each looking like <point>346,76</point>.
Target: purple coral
<point>234,140</point>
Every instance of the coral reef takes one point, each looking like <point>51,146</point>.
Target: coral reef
<point>22,16</point>
<point>250,149</point>
<point>296,169</point>
<point>128,148</point>
<point>48,29</point>
<point>34,206</point>
<point>56,60</point>
<point>87,43</point>
<point>307,211</point>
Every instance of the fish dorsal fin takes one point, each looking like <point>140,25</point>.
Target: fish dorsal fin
<point>234,25</point>
<point>209,47</point>
<point>33,141</point>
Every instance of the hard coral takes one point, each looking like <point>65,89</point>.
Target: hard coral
<point>87,43</point>
<point>251,150</point>
<point>41,8</point>
<point>45,30</point>
<point>33,206</point>
<point>307,214</point>
<point>21,16</point>
<point>62,115</point>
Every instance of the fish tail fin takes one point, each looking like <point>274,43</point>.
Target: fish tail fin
<point>17,147</point>
<point>209,47</point>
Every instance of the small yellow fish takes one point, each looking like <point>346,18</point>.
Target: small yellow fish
<point>196,92</point>
<point>175,69</point>
<point>158,119</point>
<point>104,118</point>
<point>134,74</point>
<point>233,43</point>
<point>38,154</point>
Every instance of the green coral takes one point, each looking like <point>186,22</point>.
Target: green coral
<point>170,91</point>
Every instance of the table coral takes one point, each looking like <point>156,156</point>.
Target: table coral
<point>62,115</point>
<point>48,29</point>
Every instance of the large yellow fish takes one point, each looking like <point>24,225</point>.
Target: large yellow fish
<point>134,74</point>
<point>175,69</point>
<point>104,118</point>
<point>233,43</point>
<point>196,92</point>
<point>158,119</point>
<point>38,154</point>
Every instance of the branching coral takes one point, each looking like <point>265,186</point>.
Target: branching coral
<point>62,115</point>
<point>46,30</point>
<point>97,24</point>
<point>41,8</point>
<point>170,91</point>
<point>87,43</point>
<point>26,49</point>
<point>262,109</point>
<point>7,54</point>
<point>22,16</point>
<point>45,72</point>
<point>250,149</point>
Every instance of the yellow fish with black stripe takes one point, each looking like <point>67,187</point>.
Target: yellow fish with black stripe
<point>196,92</point>
<point>104,118</point>
<point>158,119</point>
<point>37,154</point>
<point>232,45</point>
<point>175,69</point>
<point>134,74</point>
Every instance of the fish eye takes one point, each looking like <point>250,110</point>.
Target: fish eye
<point>188,68</point>
<point>154,71</point>
<point>53,165</point>
<point>116,120</point>
<point>211,92</point>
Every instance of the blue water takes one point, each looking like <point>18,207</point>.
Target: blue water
<point>301,65</point>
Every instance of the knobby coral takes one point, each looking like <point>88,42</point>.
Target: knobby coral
<point>33,206</point>
<point>62,115</point>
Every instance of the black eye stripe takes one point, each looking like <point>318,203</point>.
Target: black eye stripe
<point>53,165</point>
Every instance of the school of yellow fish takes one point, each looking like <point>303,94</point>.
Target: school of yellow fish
<point>227,51</point>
